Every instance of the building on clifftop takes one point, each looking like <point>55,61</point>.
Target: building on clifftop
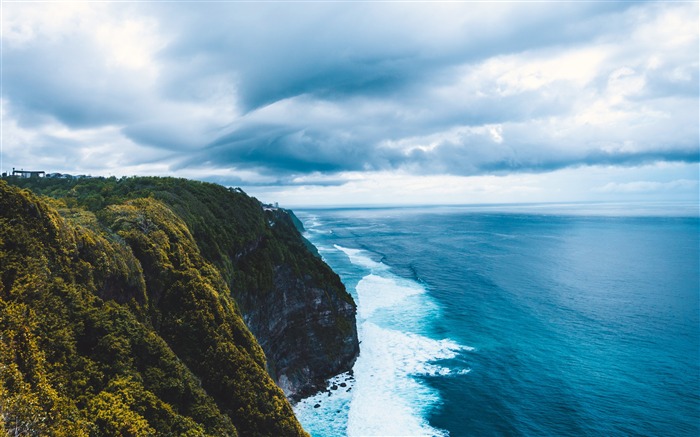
<point>28,173</point>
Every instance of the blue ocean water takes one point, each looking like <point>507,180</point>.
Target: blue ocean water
<point>479,322</point>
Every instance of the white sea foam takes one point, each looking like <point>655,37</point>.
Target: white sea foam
<point>384,398</point>
<point>390,358</point>
<point>374,292</point>
<point>382,289</point>
<point>312,225</point>
<point>387,398</point>
<point>326,412</point>
<point>324,249</point>
<point>358,257</point>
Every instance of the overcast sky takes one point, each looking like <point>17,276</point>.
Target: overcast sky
<point>359,102</point>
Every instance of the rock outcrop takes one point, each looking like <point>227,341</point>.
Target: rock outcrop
<point>306,322</point>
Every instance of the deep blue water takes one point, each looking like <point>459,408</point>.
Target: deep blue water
<point>486,323</point>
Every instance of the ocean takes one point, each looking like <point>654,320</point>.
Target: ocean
<point>488,321</point>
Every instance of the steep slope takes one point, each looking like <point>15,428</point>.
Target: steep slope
<point>293,303</point>
<point>73,363</point>
<point>122,316</point>
<point>191,308</point>
<point>305,320</point>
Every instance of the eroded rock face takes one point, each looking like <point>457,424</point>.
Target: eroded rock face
<point>309,333</point>
<point>306,322</point>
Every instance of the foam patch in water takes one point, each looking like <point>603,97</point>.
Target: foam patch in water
<point>388,400</point>
<point>386,397</point>
<point>358,257</point>
<point>376,292</point>
<point>326,412</point>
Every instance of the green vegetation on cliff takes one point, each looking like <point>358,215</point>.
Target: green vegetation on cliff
<point>121,308</point>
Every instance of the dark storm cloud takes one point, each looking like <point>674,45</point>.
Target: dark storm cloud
<point>485,159</point>
<point>337,50</point>
<point>281,149</point>
<point>284,90</point>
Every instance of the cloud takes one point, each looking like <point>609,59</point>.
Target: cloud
<point>647,186</point>
<point>668,183</point>
<point>553,106</point>
<point>91,150</point>
<point>296,93</point>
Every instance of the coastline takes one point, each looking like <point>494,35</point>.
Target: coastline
<point>386,380</point>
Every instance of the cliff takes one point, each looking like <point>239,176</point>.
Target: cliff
<point>145,306</point>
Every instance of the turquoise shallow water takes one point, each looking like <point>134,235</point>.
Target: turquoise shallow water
<point>488,323</point>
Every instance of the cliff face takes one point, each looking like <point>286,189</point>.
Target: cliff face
<point>305,322</point>
<point>131,304</point>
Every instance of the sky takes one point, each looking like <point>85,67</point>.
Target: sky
<point>361,103</point>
